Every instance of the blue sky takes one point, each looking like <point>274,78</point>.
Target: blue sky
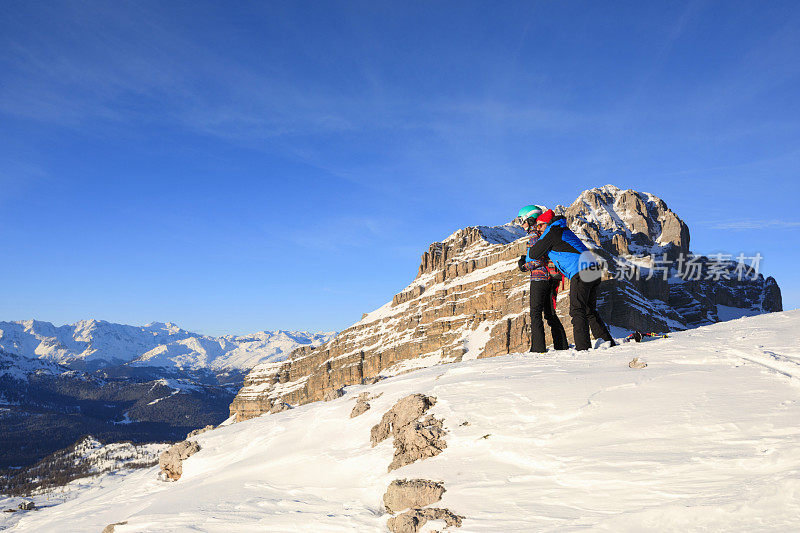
<point>239,166</point>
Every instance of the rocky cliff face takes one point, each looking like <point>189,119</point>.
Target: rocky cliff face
<point>468,300</point>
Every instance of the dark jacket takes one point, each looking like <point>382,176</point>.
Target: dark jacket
<point>563,247</point>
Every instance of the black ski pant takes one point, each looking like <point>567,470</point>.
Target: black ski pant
<point>583,310</point>
<point>542,304</point>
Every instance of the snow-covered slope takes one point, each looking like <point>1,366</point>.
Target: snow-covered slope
<point>705,437</point>
<point>19,368</point>
<point>68,473</point>
<point>91,343</point>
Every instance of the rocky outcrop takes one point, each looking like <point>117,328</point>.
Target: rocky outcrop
<point>637,364</point>
<point>414,439</point>
<point>279,408</point>
<point>413,520</point>
<point>171,461</point>
<point>469,300</point>
<point>110,527</point>
<point>333,394</point>
<point>407,493</point>
<point>198,431</point>
<point>362,405</point>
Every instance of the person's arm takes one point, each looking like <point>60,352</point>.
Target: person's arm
<point>543,245</point>
<point>533,264</point>
<point>526,264</point>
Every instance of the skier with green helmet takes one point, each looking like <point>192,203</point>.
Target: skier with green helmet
<point>543,286</point>
<point>529,211</point>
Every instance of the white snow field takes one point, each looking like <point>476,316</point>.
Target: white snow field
<point>706,437</point>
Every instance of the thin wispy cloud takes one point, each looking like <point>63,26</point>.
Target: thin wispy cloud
<point>118,72</point>
<point>755,224</point>
<point>335,234</point>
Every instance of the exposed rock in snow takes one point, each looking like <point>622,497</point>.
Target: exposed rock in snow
<point>111,527</point>
<point>199,431</point>
<point>404,494</point>
<point>413,520</point>
<point>279,408</point>
<point>405,411</point>
<point>333,394</point>
<point>637,364</point>
<point>171,461</point>
<point>361,406</point>
<point>414,439</point>
<point>418,440</point>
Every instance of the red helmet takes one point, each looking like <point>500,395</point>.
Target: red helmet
<point>546,217</point>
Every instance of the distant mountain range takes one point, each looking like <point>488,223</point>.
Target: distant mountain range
<point>120,382</point>
<point>95,344</point>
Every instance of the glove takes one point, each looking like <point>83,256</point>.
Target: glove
<point>522,260</point>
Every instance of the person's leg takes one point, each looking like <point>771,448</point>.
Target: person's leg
<point>599,329</point>
<point>556,329</point>
<point>539,292</point>
<point>578,296</point>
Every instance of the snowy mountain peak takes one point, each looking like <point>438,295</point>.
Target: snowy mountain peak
<point>168,327</point>
<point>627,222</point>
<point>610,189</point>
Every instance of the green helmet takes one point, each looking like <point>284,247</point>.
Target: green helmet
<point>529,211</point>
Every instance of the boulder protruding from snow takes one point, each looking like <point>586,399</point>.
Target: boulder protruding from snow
<point>171,461</point>
<point>405,411</point>
<point>279,408</point>
<point>333,394</point>
<point>410,493</point>
<point>414,439</point>
<point>413,520</point>
<point>362,404</point>
<point>110,527</point>
<point>27,506</point>
<point>637,364</point>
